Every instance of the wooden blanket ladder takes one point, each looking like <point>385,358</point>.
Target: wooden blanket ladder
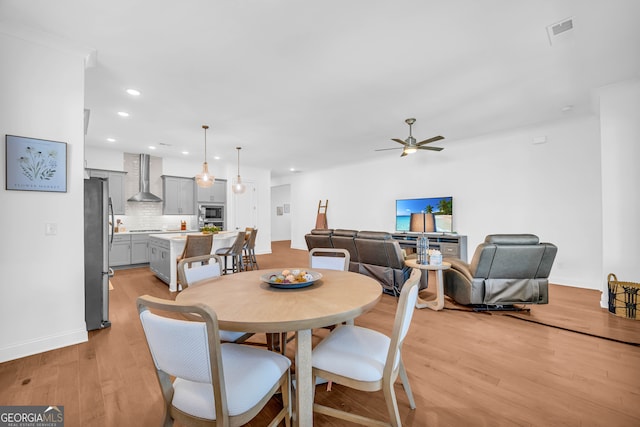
<point>321,219</point>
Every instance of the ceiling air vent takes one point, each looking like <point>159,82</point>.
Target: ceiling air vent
<point>559,30</point>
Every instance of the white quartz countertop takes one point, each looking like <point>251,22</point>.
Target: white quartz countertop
<point>156,231</point>
<point>183,235</point>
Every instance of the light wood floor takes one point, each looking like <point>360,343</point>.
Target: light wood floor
<point>466,369</point>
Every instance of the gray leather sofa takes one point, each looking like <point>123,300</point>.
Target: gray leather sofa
<point>373,253</point>
<point>506,269</point>
<point>344,239</point>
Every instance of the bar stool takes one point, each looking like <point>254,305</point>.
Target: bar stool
<point>195,245</point>
<point>235,252</point>
<point>249,255</point>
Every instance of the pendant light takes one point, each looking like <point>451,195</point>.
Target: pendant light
<point>238,187</point>
<point>205,179</point>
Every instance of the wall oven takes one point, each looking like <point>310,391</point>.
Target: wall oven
<point>211,214</point>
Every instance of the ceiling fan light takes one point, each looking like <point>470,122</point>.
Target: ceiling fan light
<point>410,150</point>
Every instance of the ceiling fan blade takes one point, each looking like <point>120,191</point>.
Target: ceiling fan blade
<point>430,140</point>
<point>404,153</point>
<point>385,149</point>
<point>430,148</point>
<point>399,141</point>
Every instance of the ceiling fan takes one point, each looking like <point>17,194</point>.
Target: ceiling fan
<point>410,145</point>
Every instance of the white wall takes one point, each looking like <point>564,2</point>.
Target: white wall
<point>280,224</point>
<point>500,183</point>
<point>620,118</point>
<point>42,291</point>
<point>108,159</point>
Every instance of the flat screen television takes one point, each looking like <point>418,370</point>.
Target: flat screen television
<point>432,214</point>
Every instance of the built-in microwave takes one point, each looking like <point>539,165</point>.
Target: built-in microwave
<point>210,214</point>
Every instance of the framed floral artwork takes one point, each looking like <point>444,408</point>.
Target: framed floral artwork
<point>35,164</point>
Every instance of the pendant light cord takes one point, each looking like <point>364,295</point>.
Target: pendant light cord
<point>238,148</point>
<point>205,127</point>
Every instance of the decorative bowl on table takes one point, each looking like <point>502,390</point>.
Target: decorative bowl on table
<point>291,278</point>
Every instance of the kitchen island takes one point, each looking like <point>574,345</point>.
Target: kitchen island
<point>164,249</point>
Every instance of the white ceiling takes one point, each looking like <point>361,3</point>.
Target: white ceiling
<point>309,84</point>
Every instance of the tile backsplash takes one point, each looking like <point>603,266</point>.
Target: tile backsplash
<point>154,221</point>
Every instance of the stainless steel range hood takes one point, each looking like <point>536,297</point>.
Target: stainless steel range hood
<point>144,195</point>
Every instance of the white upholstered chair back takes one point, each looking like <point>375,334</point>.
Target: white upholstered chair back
<point>404,314</point>
<point>178,347</point>
<point>329,258</point>
<point>195,269</point>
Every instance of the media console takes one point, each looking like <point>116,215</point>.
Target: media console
<point>449,244</point>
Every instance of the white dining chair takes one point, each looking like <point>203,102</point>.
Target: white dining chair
<point>329,258</point>
<point>215,384</point>
<point>197,269</point>
<point>368,360</point>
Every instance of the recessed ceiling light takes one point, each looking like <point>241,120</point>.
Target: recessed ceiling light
<point>216,157</point>
<point>111,140</point>
<point>151,147</point>
<point>292,169</point>
<point>123,114</point>
<point>133,92</point>
<point>185,152</point>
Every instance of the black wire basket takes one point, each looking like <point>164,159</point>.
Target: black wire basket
<point>624,298</point>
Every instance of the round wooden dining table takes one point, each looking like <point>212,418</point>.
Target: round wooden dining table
<point>243,302</point>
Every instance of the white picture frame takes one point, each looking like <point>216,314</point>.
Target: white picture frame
<point>35,164</point>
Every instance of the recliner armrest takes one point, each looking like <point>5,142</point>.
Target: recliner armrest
<point>461,266</point>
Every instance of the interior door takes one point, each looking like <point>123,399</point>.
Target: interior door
<point>246,207</point>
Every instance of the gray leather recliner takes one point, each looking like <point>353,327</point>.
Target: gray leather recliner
<point>373,253</point>
<point>343,239</point>
<point>380,257</point>
<point>506,269</point>
<point>319,238</point>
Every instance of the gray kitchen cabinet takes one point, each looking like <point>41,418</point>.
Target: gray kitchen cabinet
<point>179,195</point>
<point>116,187</point>
<point>159,254</point>
<point>139,248</point>
<point>120,252</point>
<point>216,193</point>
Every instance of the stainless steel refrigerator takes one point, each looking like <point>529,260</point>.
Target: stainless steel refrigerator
<point>98,236</point>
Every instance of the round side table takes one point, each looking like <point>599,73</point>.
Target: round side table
<point>438,302</point>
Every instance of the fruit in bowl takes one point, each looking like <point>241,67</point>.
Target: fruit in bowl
<point>291,276</point>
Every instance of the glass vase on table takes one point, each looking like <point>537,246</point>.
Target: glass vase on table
<point>422,249</point>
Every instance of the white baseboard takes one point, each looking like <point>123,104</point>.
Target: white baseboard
<point>36,346</point>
